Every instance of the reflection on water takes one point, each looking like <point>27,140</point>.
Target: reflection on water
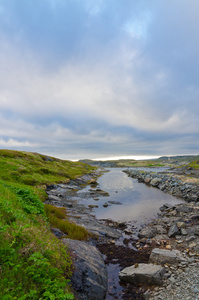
<point>139,201</point>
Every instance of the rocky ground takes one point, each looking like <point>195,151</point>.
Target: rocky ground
<point>176,228</point>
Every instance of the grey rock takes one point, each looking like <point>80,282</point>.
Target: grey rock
<point>183,231</point>
<point>162,256</point>
<point>173,231</point>
<point>166,206</point>
<point>53,198</point>
<point>147,274</point>
<point>89,278</point>
<point>184,209</point>
<point>147,232</point>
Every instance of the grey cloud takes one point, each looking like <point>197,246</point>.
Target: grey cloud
<point>99,75</point>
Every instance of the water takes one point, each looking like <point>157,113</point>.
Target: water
<point>138,202</point>
<point>135,203</point>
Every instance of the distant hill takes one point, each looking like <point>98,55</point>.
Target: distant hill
<point>172,161</point>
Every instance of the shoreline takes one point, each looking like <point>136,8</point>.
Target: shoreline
<point>156,235</point>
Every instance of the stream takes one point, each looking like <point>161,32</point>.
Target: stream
<point>127,201</point>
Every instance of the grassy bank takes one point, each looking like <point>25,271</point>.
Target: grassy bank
<point>34,264</point>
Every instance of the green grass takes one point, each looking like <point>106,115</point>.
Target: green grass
<point>194,164</point>
<point>34,264</point>
<point>36,169</point>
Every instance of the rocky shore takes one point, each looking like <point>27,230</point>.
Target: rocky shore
<point>180,185</point>
<point>170,242</point>
<point>176,228</point>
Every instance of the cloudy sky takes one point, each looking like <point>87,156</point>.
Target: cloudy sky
<point>99,78</point>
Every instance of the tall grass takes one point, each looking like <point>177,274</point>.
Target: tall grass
<point>57,218</point>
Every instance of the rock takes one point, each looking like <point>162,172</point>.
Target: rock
<point>93,182</point>
<point>184,209</point>
<point>89,278</point>
<point>183,231</point>
<point>147,232</point>
<point>162,256</point>
<point>92,206</point>
<point>115,202</point>
<point>156,181</point>
<point>146,274</point>
<point>181,224</point>
<point>54,198</point>
<point>58,233</point>
<point>173,231</point>
<point>166,206</point>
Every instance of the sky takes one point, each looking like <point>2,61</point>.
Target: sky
<point>99,78</point>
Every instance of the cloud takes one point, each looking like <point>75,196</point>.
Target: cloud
<point>99,75</point>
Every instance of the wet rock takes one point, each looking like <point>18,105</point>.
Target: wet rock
<point>92,206</point>
<point>146,274</point>
<point>115,202</point>
<point>163,256</point>
<point>89,278</point>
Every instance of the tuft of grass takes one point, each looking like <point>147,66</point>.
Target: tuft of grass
<point>58,218</point>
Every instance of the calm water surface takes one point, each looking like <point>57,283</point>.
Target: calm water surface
<point>139,202</point>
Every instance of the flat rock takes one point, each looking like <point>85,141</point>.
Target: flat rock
<point>146,274</point>
<point>163,256</point>
<point>89,278</point>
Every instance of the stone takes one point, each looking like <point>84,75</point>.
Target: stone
<point>115,202</point>
<point>156,181</point>
<point>184,209</point>
<point>89,279</point>
<point>173,231</point>
<point>183,231</point>
<point>166,206</point>
<point>163,256</point>
<point>181,224</point>
<point>146,274</point>
<point>147,232</point>
<point>58,233</point>
<point>53,198</point>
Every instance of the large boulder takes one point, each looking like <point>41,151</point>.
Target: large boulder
<point>146,274</point>
<point>163,256</point>
<point>89,278</point>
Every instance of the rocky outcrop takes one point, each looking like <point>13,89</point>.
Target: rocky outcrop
<point>168,183</point>
<point>89,278</point>
<point>147,274</point>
